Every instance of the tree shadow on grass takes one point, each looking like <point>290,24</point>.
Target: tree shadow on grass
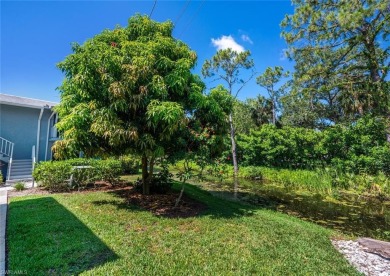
<point>43,237</point>
<point>349,214</point>
<point>195,203</point>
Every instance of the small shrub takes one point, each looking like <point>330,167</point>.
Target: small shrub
<point>130,164</point>
<point>162,181</point>
<point>108,170</point>
<point>1,177</point>
<point>19,186</point>
<point>53,175</point>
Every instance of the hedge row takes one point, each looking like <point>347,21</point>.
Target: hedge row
<point>357,148</point>
<point>64,175</point>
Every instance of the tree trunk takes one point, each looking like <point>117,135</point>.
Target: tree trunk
<point>372,62</point>
<point>273,112</point>
<point>181,195</point>
<point>151,169</point>
<point>145,176</point>
<point>234,150</point>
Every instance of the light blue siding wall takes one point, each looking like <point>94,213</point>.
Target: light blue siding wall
<point>20,125</point>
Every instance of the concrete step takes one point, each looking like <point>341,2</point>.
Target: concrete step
<point>21,166</point>
<point>11,182</point>
<point>18,162</point>
<point>21,170</point>
<point>21,163</point>
<point>21,177</point>
<point>16,169</point>
<point>21,173</point>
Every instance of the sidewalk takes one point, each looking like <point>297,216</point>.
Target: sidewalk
<point>3,216</point>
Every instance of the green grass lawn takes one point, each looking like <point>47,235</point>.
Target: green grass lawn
<point>97,233</point>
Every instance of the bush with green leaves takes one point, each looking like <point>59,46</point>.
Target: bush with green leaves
<point>76,173</point>
<point>358,148</point>
<point>53,175</point>
<point>130,164</point>
<point>108,170</point>
<point>286,147</point>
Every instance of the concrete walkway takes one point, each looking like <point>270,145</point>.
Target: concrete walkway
<point>3,216</point>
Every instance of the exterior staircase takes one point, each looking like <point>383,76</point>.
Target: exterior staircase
<point>20,170</point>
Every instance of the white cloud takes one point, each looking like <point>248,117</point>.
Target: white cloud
<point>246,38</point>
<point>283,55</point>
<point>225,42</point>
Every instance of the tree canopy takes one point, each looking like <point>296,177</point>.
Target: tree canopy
<point>341,55</point>
<point>131,90</point>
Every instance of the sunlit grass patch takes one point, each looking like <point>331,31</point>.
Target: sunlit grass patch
<point>99,233</point>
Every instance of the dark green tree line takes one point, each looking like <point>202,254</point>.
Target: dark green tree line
<point>341,54</point>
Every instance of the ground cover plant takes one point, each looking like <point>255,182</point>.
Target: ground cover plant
<point>100,233</point>
<point>326,181</point>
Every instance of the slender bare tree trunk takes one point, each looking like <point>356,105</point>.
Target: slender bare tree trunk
<point>234,147</point>
<point>273,112</point>
<point>145,176</point>
<point>181,194</point>
<point>186,169</point>
<point>234,154</point>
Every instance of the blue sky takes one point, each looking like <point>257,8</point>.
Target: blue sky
<point>36,35</point>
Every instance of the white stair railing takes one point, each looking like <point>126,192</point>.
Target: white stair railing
<point>33,162</point>
<point>33,157</point>
<point>6,147</point>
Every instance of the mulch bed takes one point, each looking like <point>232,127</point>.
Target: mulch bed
<point>163,204</point>
<point>159,204</point>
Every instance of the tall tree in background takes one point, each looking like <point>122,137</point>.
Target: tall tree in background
<point>261,110</point>
<point>226,65</point>
<point>268,80</point>
<point>131,89</point>
<point>242,117</point>
<point>342,55</point>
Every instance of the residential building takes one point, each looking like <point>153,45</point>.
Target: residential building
<point>27,133</point>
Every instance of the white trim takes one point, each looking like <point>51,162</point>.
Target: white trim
<point>25,102</point>
<point>38,134</point>
<point>48,133</point>
<point>23,105</point>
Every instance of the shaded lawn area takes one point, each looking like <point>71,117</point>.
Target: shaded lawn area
<point>99,233</point>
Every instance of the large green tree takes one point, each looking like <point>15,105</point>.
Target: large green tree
<point>226,65</point>
<point>269,80</point>
<point>341,54</point>
<point>131,90</point>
